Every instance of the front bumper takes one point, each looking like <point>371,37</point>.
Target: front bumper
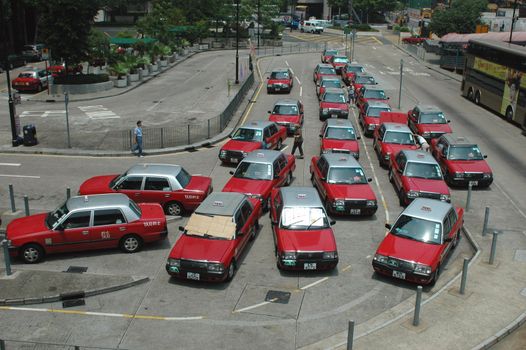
<point>196,275</point>
<point>300,265</point>
<point>278,88</point>
<point>464,182</point>
<point>350,208</point>
<point>408,275</point>
<point>231,157</point>
<point>335,113</point>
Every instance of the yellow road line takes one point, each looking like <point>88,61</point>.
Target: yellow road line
<point>249,109</point>
<point>346,268</point>
<point>376,39</point>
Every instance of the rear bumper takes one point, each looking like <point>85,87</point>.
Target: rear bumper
<point>463,182</point>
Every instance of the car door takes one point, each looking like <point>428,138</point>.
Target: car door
<point>132,187</point>
<point>157,189</point>
<point>322,168</point>
<point>275,212</point>
<point>412,120</point>
<point>398,170</point>
<point>109,226</point>
<point>447,227</point>
<point>242,217</point>
<point>74,232</point>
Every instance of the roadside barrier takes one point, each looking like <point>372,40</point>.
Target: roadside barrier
<point>7,258</point>
<point>12,198</point>
<point>26,205</point>
<point>464,276</point>
<point>350,335</point>
<point>493,247</point>
<point>418,302</point>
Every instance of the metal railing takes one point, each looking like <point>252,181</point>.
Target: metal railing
<point>20,344</point>
<point>292,48</point>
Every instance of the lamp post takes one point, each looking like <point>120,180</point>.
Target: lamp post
<point>237,41</point>
<point>259,21</point>
<point>513,19</point>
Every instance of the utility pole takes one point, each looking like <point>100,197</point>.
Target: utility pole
<point>513,19</point>
<point>259,21</point>
<point>237,42</point>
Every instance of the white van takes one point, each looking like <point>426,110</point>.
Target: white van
<point>311,27</point>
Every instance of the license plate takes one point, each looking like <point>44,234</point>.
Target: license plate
<point>309,266</point>
<point>474,183</point>
<point>355,211</point>
<point>334,115</point>
<point>193,276</point>
<point>277,88</point>
<point>233,160</point>
<point>399,274</point>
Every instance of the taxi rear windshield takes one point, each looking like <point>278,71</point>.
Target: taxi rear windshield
<point>465,153</point>
<point>433,118</point>
<point>279,75</point>
<point>331,83</point>
<point>331,52</point>
<point>418,229</point>
<point>183,178</point>
<point>254,171</point>
<point>243,134</point>
<point>346,176</point>
<point>285,110</point>
<point>304,218</point>
<point>423,171</point>
<point>379,94</point>
<point>397,137</point>
<point>340,59</point>
<point>375,111</point>
<point>334,98</point>
<point>365,80</point>
<point>26,75</point>
<point>340,134</point>
<point>355,69</point>
<point>327,70</point>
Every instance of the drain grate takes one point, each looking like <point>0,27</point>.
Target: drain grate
<point>276,296</point>
<point>77,269</point>
<point>73,303</point>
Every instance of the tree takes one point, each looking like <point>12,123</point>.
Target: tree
<point>158,22</point>
<point>462,17</point>
<point>373,6</point>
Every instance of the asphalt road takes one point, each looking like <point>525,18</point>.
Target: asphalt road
<point>233,315</point>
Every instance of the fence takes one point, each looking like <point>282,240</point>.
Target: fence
<point>293,48</point>
<point>26,345</point>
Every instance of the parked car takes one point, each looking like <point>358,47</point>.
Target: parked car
<point>32,80</point>
<point>287,113</point>
<point>311,27</point>
<point>338,62</point>
<point>334,103</point>
<point>461,161</point>
<point>428,121</point>
<point>169,185</point>
<point>323,69</point>
<point>339,136</point>
<point>60,69</point>
<point>328,82</point>
<point>342,185</point>
<point>416,174</point>
<point>33,52</point>
<point>417,246</point>
<point>250,137</point>
<point>370,93</point>
<point>215,238</point>
<point>361,79</point>
<point>280,79</point>
<point>14,61</point>
<point>391,138</point>
<point>413,40</point>
<point>261,171</point>
<point>87,223</point>
<point>369,117</point>
<point>327,54</point>
<point>350,70</point>
<point>303,236</point>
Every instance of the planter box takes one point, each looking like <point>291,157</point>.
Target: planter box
<point>142,73</point>
<point>155,68</point>
<point>94,69</point>
<point>78,89</point>
<point>134,77</point>
<point>120,83</point>
<point>164,63</point>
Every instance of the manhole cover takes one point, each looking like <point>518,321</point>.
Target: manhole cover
<point>72,303</point>
<point>77,269</point>
<point>276,296</point>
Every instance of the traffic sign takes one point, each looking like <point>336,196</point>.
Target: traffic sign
<point>346,30</point>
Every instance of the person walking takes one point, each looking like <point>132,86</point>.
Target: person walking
<point>137,140</point>
<point>352,94</point>
<point>298,141</point>
<point>422,142</point>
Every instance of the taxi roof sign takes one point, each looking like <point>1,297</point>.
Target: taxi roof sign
<point>301,195</point>
<point>426,208</point>
<point>218,203</point>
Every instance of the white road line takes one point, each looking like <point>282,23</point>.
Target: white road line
<point>255,306</point>
<point>23,176</point>
<point>284,148</point>
<point>287,63</point>
<point>301,90</point>
<point>149,109</point>
<point>297,79</point>
<point>382,73</point>
<point>10,164</point>
<point>89,108</point>
<point>389,68</point>
<point>314,283</point>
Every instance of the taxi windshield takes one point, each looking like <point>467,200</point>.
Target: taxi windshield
<point>355,69</point>
<point>365,80</point>
<point>340,134</point>
<point>183,178</point>
<point>423,170</point>
<point>254,171</point>
<point>304,218</point>
<point>375,111</point>
<point>330,52</point>
<point>285,110</point>
<point>346,176</point>
<point>398,137</point>
<point>378,94</point>
<point>279,75</point>
<point>331,83</point>
<point>340,60</point>
<point>418,229</point>
<point>327,71</point>
<point>26,75</point>
<point>55,216</point>
<point>433,118</point>
<point>465,153</point>
<point>334,98</point>
<point>243,134</point>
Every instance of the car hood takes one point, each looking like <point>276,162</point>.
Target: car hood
<point>393,148</point>
<point>293,240</point>
<point>342,106</point>
<point>474,166</point>
<point>351,145</point>
<point>284,118</point>
<point>246,146</point>
<point>198,248</point>
<point>375,99</point>
<point>279,81</point>
<point>426,185</point>
<point>26,225</point>
<point>261,187</point>
<point>97,185</point>
<point>408,249</point>
<point>356,191</point>
<point>445,128</point>
<point>199,183</point>
<point>371,120</point>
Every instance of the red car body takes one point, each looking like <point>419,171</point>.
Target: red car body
<point>334,104</point>
<point>428,121</point>
<point>31,80</point>
<point>339,136</point>
<point>386,146</point>
<point>287,113</point>
<point>338,62</point>
<point>280,80</point>
<point>329,82</point>
<point>369,117</point>
<point>324,70</point>
<point>367,92</point>
<point>327,55</point>
<point>350,70</point>
<point>60,70</point>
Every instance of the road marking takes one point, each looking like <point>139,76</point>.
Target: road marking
<point>101,314</point>
<point>24,176</point>
<point>382,73</point>
<point>346,268</point>
<point>42,114</point>
<point>389,68</point>
<point>287,63</point>
<point>247,112</point>
<point>149,109</point>
<point>10,164</point>
<point>314,283</point>
<point>284,148</point>
<point>297,79</point>
<point>376,39</point>
<point>98,112</point>
<point>301,90</point>
<point>255,306</point>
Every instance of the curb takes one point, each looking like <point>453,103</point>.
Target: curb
<point>73,295</point>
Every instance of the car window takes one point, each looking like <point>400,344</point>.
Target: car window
<point>131,183</point>
<point>253,171</point>
<point>340,175</point>
<point>304,218</point>
<point>375,111</point>
<point>244,134</point>
<point>183,178</point>
<point>279,75</point>
<point>471,152</point>
<point>246,209</point>
<point>282,162</point>
<point>240,220</point>
<point>273,129</point>
<point>423,170</point>
<point>447,225</point>
<point>432,118</point>
<point>286,109</point>
<point>77,220</point>
<point>321,162</point>
<point>401,138</point>
<point>365,80</point>
<point>108,217</point>
<point>340,133</point>
<point>331,83</point>
<point>327,71</point>
<point>156,184</point>
<point>452,217</point>
<point>400,160</point>
<point>266,132</point>
<point>381,132</point>
<point>278,204</point>
<point>379,94</point>
<point>334,97</point>
<point>418,229</point>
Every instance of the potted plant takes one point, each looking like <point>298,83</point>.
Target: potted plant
<point>142,64</point>
<point>155,52</point>
<point>119,70</point>
<point>165,51</point>
<point>130,61</point>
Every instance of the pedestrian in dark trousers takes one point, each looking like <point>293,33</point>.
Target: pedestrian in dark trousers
<point>298,142</point>
<point>137,140</point>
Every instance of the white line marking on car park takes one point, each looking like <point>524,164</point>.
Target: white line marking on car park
<point>22,176</point>
<point>255,306</point>
<point>301,91</point>
<point>382,73</point>
<point>389,68</point>
<point>42,114</point>
<point>420,74</point>
<point>314,283</point>
<point>10,164</point>
<point>346,268</point>
<point>149,109</point>
<point>287,63</point>
<point>98,112</point>
<point>284,148</point>
<point>297,79</point>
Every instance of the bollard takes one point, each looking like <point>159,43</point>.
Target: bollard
<point>188,134</point>
<point>208,134</point>
<point>7,258</point>
<point>68,193</point>
<point>486,219</point>
<point>416,317</point>
<point>26,205</point>
<point>350,335</point>
<point>2,344</point>
<point>468,199</point>
<point>493,248</point>
<point>464,276</point>
<point>12,198</point>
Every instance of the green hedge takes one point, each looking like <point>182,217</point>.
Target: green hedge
<point>401,29</point>
<point>363,28</point>
<point>81,79</point>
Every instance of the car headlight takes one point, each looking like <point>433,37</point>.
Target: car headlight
<point>459,174</point>
<point>422,269</point>
<point>338,203</point>
<point>330,255</point>
<point>380,258</point>
<point>255,196</point>
<point>387,156</point>
<point>244,154</point>
<point>325,110</point>
<point>371,127</point>
<point>487,175</point>
<point>288,256</point>
<point>173,264</point>
<point>426,134</point>
<point>222,153</point>
<point>215,268</point>
<point>412,194</point>
<point>445,197</point>
<point>370,203</point>
<point>269,85</point>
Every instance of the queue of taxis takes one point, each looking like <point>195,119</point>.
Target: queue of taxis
<point>339,136</point>
<point>287,113</point>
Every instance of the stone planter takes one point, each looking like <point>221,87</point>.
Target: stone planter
<point>94,69</point>
<point>134,77</point>
<point>155,68</point>
<point>120,83</point>
<point>141,73</point>
<point>164,63</point>
<point>185,51</point>
<point>172,58</point>
<point>113,78</point>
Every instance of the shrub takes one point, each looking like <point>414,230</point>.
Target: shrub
<point>81,79</point>
<point>404,29</point>
<point>363,28</point>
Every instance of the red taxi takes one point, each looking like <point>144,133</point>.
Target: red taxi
<point>350,70</point>
<point>391,138</point>
<point>60,69</point>
<point>339,136</point>
<point>287,113</point>
<point>338,62</point>
<point>334,103</point>
<point>87,223</point>
<point>215,238</point>
<point>416,174</point>
<point>328,82</point>
<point>369,117</point>
<point>371,93</point>
<point>250,137</point>
<point>417,246</point>
<point>261,171</point>
<point>169,185</point>
<point>342,185</point>
<point>428,121</point>
<point>327,55</point>
<point>360,80</point>
<point>280,79</point>
<point>32,80</point>
<point>303,237</point>
<point>461,161</point>
<point>323,70</point>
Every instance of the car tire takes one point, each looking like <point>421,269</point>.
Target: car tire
<point>401,198</point>
<point>268,91</point>
<point>470,94</point>
<point>253,231</point>
<point>39,88</point>
<point>174,208</point>
<point>32,253</point>
<point>231,271</point>
<point>509,114</point>
<point>436,275</point>
<point>456,240</point>
<point>130,243</point>
<point>278,145</point>
<point>390,175</point>
<point>477,98</point>
<point>289,179</point>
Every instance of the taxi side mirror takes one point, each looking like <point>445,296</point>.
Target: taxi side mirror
<point>181,228</point>
<point>388,226</point>
<point>369,179</point>
<point>388,97</point>
<point>449,121</point>
<point>268,78</point>
<point>448,239</point>
<point>269,112</point>
<point>229,136</point>
<point>321,135</point>
<point>332,222</point>
<point>231,172</point>
<point>358,137</point>
<point>485,156</point>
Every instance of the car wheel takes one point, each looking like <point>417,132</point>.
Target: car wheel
<point>252,234</point>
<point>456,240</point>
<point>173,208</point>
<point>39,88</point>
<point>32,253</point>
<point>390,174</point>
<point>470,94</point>
<point>289,179</point>
<point>268,91</point>
<point>509,114</point>
<point>231,270</point>
<point>278,145</point>
<point>130,243</point>
<point>401,198</point>
<point>435,276</point>
<point>477,98</point>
